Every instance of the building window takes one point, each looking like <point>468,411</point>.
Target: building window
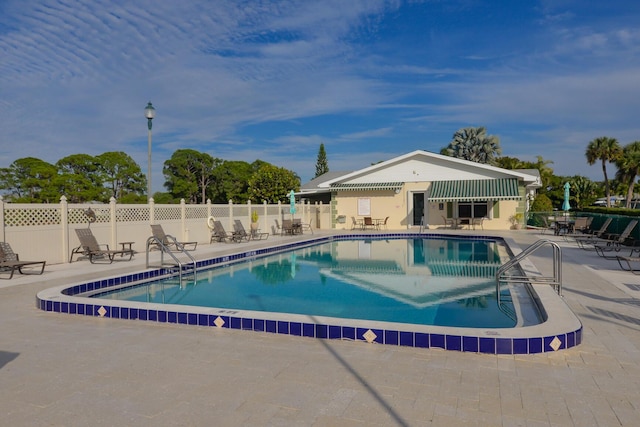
<point>473,209</point>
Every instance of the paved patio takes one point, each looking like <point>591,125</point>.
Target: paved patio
<point>65,370</point>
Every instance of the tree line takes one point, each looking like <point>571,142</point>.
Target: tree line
<point>197,177</point>
<point>189,175</point>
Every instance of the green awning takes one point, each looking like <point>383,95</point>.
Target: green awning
<point>367,186</point>
<point>471,190</point>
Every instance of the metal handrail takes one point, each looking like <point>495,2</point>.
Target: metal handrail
<point>154,241</point>
<point>556,280</point>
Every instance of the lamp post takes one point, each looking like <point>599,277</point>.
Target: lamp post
<point>149,113</point>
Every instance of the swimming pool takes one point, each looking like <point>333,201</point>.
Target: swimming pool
<point>441,282</point>
<point>560,330</point>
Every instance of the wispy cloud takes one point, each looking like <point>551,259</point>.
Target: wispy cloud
<point>273,79</point>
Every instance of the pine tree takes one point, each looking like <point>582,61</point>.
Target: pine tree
<point>322,166</point>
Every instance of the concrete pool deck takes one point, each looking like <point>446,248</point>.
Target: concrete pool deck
<point>58,369</point>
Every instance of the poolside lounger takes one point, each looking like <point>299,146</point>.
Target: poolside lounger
<point>626,263</point>
<point>242,233</point>
<point>610,240</point>
<point>170,242</point>
<point>10,261</point>
<point>90,247</point>
<point>219,234</point>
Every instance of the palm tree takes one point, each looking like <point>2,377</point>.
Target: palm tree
<point>475,145</point>
<point>606,150</point>
<point>628,168</point>
<point>584,190</point>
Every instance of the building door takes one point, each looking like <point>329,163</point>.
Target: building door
<point>418,208</point>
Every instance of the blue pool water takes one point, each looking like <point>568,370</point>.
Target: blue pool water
<point>442,282</point>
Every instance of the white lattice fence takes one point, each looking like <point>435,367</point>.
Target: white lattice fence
<point>46,231</point>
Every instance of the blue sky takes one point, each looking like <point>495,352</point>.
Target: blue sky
<point>271,80</point>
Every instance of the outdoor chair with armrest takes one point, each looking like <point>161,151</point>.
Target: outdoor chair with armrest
<point>241,233</point>
<point>448,222</point>
<point>615,242</point>
<point>90,247</point>
<point>10,261</point>
<point>608,239</point>
<point>219,234</point>
<point>368,223</point>
<point>170,242</point>
<point>595,234</point>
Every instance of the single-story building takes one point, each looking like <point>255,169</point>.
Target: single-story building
<point>421,188</point>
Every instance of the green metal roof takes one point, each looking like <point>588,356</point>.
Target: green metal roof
<point>367,186</point>
<point>480,189</point>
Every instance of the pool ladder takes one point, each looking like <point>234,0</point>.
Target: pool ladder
<point>555,280</point>
<point>177,265</point>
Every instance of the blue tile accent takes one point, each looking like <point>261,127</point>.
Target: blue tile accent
<point>192,319</point>
<point>379,336</point>
<point>56,306</point>
<point>335,332</point>
<point>571,339</point>
<point>454,342</point>
<point>349,332</point>
<point>258,325</point>
<point>247,324</point>
<point>283,327</point>
<point>73,308</point>
<point>308,330</point>
<point>423,340</point>
<point>162,316</point>
<point>271,326</point>
<point>535,345</point>
<point>235,323</point>
<point>437,340</point>
<point>579,336</point>
<point>172,317</point>
<point>81,309</point>
<point>322,331</point>
<point>487,345</point>
<point>64,307</point>
<point>520,346</point>
<point>406,339</point>
<point>124,312</point>
<point>295,328</point>
<point>504,346</point>
<point>470,344</point>
<point>392,337</point>
<point>203,319</point>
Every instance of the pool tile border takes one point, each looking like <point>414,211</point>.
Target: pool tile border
<point>51,302</point>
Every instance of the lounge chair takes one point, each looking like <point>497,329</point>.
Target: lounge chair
<point>90,247</point>
<point>10,262</point>
<point>614,243</point>
<point>170,242</point>
<point>242,234</point>
<point>594,234</point>
<point>219,234</point>
<point>607,238</point>
<point>626,263</point>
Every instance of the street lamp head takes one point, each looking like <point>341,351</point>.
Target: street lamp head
<point>149,113</point>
